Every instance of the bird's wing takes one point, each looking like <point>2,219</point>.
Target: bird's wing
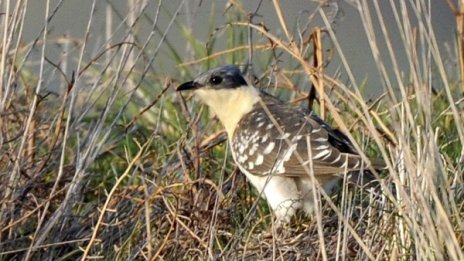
<point>281,139</point>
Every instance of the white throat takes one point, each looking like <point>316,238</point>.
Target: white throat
<point>229,104</point>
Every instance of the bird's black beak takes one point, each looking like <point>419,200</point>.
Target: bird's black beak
<point>188,86</point>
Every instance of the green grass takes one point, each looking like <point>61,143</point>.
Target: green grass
<point>121,167</point>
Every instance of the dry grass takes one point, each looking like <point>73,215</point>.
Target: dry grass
<point>114,165</point>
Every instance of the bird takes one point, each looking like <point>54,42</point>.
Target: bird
<point>281,148</point>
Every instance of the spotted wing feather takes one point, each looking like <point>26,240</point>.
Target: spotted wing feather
<point>299,143</point>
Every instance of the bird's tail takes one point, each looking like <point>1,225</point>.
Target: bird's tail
<point>378,164</point>
<point>365,176</point>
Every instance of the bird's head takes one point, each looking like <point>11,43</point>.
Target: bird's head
<point>220,78</point>
<point>226,92</point>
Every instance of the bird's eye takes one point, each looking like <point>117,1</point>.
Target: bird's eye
<point>215,80</point>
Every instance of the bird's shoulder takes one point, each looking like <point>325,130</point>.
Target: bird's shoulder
<point>272,110</point>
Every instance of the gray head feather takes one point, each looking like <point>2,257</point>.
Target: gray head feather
<point>227,76</point>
